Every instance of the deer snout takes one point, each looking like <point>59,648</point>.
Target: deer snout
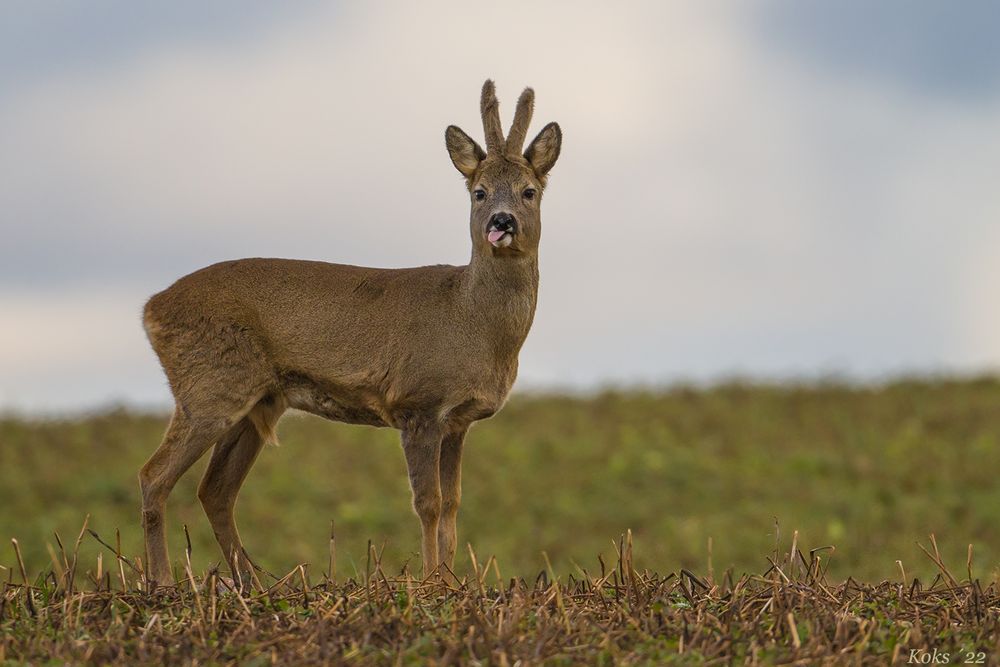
<point>503,222</point>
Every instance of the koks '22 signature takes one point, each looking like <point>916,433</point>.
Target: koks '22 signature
<point>934,657</point>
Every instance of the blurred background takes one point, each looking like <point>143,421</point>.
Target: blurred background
<point>778,192</point>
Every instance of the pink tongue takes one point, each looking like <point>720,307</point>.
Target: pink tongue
<point>495,235</point>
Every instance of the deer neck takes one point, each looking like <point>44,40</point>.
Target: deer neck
<point>503,292</point>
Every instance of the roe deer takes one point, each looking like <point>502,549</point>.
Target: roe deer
<point>426,350</point>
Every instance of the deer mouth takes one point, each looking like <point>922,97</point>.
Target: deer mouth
<point>499,238</point>
<point>501,230</point>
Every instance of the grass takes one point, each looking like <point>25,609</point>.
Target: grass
<point>715,481</point>
<point>870,470</point>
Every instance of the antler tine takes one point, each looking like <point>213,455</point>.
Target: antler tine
<point>522,118</point>
<point>490,109</point>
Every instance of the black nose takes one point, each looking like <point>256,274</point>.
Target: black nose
<point>503,222</point>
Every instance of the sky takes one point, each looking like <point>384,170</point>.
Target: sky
<point>770,190</point>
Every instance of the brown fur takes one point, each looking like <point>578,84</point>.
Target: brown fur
<point>426,350</point>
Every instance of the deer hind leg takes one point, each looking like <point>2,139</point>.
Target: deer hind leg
<point>422,447</point>
<point>451,494</point>
<point>184,443</point>
<point>218,373</point>
<point>231,461</point>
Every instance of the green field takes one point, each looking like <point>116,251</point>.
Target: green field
<point>871,470</point>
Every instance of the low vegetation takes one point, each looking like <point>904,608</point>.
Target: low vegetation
<point>790,614</point>
<point>715,485</point>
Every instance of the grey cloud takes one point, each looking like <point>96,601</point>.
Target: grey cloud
<point>926,47</point>
<point>39,40</point>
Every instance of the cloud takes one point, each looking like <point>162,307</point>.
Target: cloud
<point>718,206</point>
<point>75,348</point>
<point>921,47</point>
<point>44,40</point>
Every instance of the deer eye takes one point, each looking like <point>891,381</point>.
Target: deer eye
<point>479,194</point>
<point>529,193</point>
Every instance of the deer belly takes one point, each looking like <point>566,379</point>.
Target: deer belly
<point>334,402</point>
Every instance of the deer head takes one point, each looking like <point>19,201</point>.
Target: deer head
<point>505,184</point>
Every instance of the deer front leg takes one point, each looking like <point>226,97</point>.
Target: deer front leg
<point>451,494</point>
<point>422,447</point>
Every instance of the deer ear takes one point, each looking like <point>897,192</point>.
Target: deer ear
<point>544,149</point>
<point>465,153</point>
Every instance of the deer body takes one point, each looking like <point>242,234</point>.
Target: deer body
<point>455,356</point>
<point>426,350</point>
